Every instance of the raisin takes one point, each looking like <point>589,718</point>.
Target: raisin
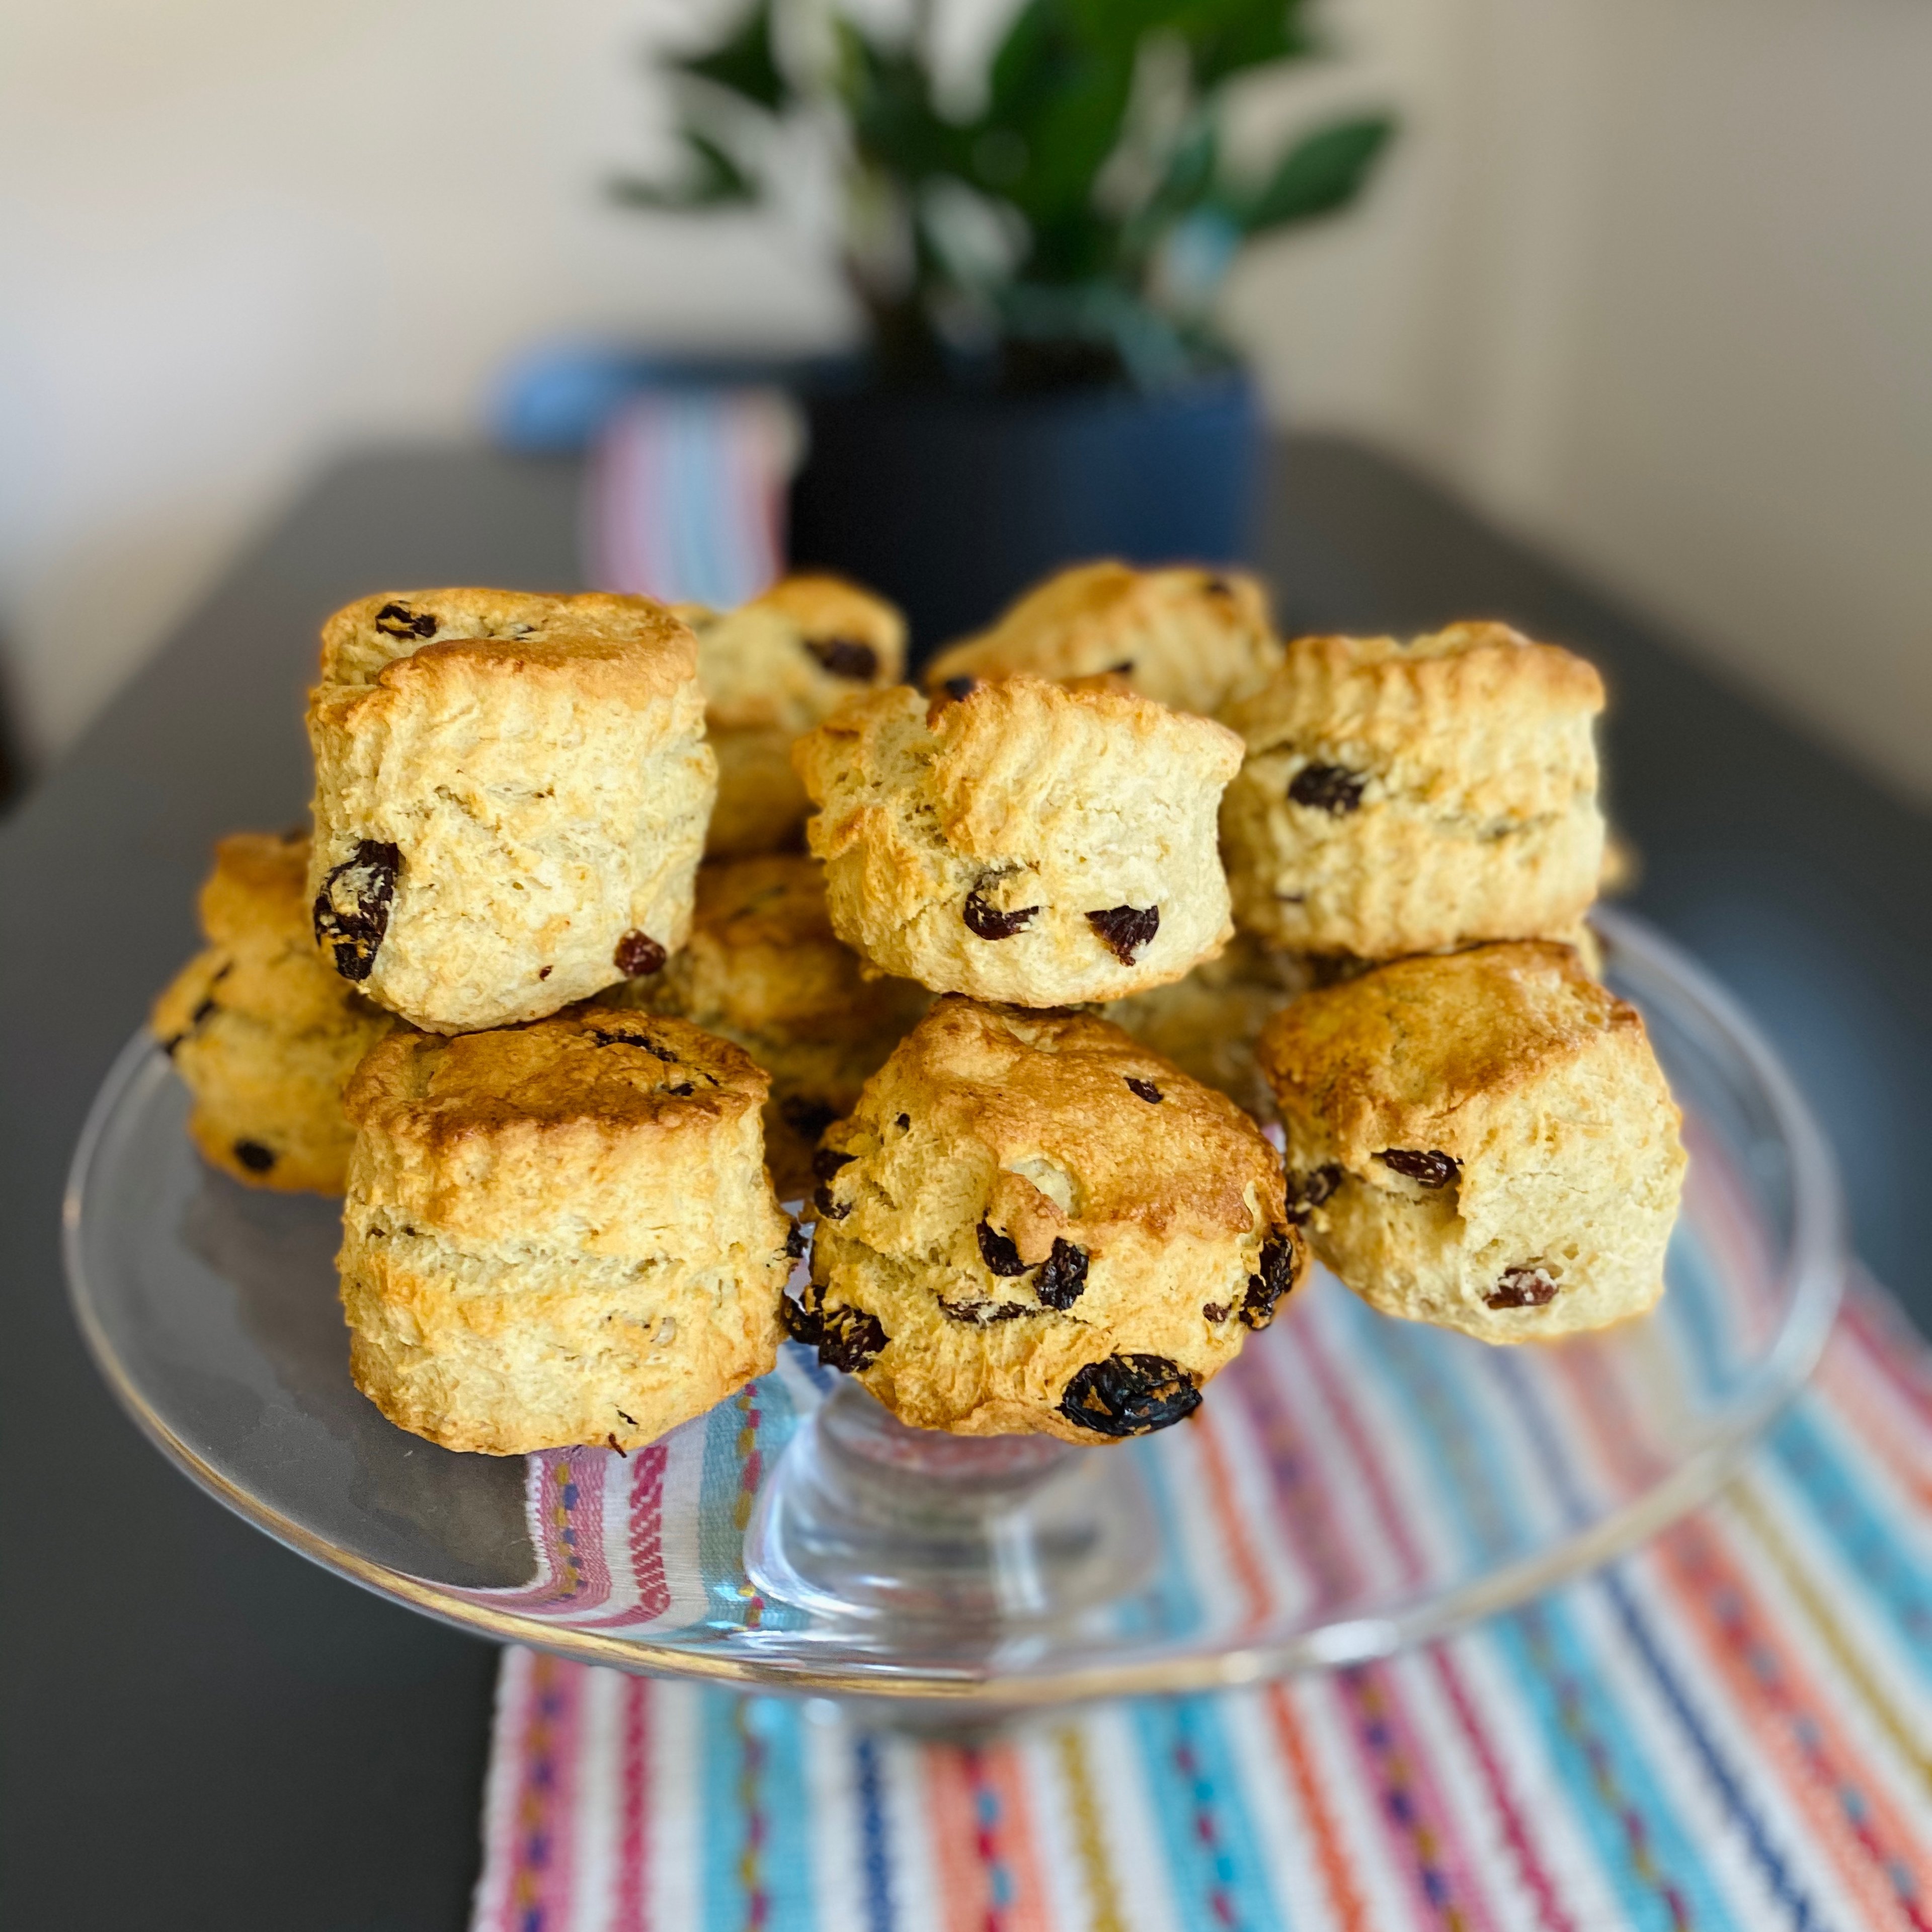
<point>845,657</point>
<point>1130,1395</point>
<point>957,687</point>
<point>845,1338</point>
<point>986,922</point>
<point>1521,1288</point>
<point>999,1252</point>
<point>802,1319</point>
<point>980,1314</point>
<point>1217,586</point>
<point>1265,1290</point>
<point>1434,1169</point>
<point>808,1119</point>
<point>605,1038</point>
<point>795,1242</point>
<point>398,620</point>
<point>1063,1275</point>
<point>905,1123</point>
<point>683,1090</point>
<point>1146,1089</point>
<point>827,1161</point>
<point>638,955</point>
<point>1330,788</point>
<point>1216,1312</point>
<point>832,1211</point>
<point>1307,1192</point>
<point>545,972</point>
<point>366,879</point>
<point>1125,930</point>
<point>200,1013</point>
<point>1125,668</point>
<point>631,1419</point>
<point>254,1156</point>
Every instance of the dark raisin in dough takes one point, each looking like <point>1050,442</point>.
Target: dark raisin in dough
<point>1146,1089</point>
<point>1217,1312</point>
<point>986,922</point>
<point>367,880</point>
<point>1432,1168</point>
<point>795,1242</point>
<point>1125,930</point>
<point>1063,1275</point>
<point>845,657</point>
<point>825,1163</point>
<point>254,1156</point>
<point>1521,1288</point>
<point>1277,1277</point>
<point>1307,1192</point>
<point>1218,586</point>
<point>638,955</point>
<point>807,1118</point>
<point>846,1338</point>
<point>398,620</point>
<point>957,687</point>
<point>1130,1395</point>
<point>832,1211</point>
<point>980,1314</point>
<point>999,1252</point>
<point>656,1049</point>
<point>1330,788</point>
<point>1125,668</point>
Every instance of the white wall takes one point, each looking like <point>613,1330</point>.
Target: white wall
<point>1651,279</point>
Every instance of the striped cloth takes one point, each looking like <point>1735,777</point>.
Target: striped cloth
<point>1732,1729</point>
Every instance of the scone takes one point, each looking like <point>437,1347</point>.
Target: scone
<point>558,1234</point>
<point>510,798</point>
<point>1483,1141</point>
<point>1026,843</point>
<point>763,968</point>
<point>1399,797</point>
<point>1190,639</point>
<point>261,1028</point>
<point>771,670</point>
<point>1030,1226</point>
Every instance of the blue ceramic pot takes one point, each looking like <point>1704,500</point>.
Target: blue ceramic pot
<point>952,504</point>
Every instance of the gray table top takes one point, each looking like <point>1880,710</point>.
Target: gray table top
<point>197,1729</point>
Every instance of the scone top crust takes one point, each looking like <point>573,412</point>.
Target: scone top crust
<point>1066,1098</point>
<point>982,845</point>
<point>613,644</point>
<point>257,892</point>
<point>1191,638</point>
<point>789,657</point>
<point>1434,1053</point>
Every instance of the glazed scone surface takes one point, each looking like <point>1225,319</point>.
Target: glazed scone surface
<point>512,793</point>
<point>1399,798</point>
<point>771,670</point>
<point>261,1028</point>
<point>763,968</point>
<point>1483,1141</point>
<point>558,1234</point>
<point>1024,844</point>
<point>1191,639</point>
<point>1029,1224</point>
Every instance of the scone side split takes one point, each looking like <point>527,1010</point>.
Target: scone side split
<point>558,1234</point>
<point>1399,798</point>
<point>1483,1141</point>
<point>512,792</point>
<point>1026,843</point>
<point>1029,1224</point>
<point>261,1029</point>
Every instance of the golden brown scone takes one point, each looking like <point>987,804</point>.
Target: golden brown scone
<point>1483,1141</point>
<point>260,1027</point>
<point>1188,638</point>
<point>771,670</point>
<point>1400,798</point>
<point>558,1234</point>
<point>1030,1226</point>
<point>512,792</point>
<point>763,968</point>
<point>1026,843</point>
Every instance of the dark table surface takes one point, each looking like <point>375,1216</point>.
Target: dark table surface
<point>201,1730</point>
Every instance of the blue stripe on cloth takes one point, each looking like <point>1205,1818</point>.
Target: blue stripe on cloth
<point>755,1861</point>
<point>1613,1786</point>
<point>721,1539</point>
<point>876,1854</point>
<point>1885,1561</point>
<point>1771,1860</point>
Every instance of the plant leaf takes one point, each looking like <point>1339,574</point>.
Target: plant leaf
<point>1321,172</point>
<point>746,65</point>
<point>1226,37</point>
<point>715,178</point>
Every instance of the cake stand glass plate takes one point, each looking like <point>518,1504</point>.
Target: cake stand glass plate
<point>1350,1485</point>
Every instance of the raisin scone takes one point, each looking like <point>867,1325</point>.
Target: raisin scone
<point>1189,638</point>
<point>762,967</point>
<point>1483,1141</point>
<point>771,670</point>
<point>1031,1225</point>
<point>1026,843</point>
<point>559,1234</point>
<point>261,1028</point>
<point>511,796</point>
<point>1399,798</point>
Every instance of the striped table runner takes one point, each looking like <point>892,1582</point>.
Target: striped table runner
<point>1732,1729</point>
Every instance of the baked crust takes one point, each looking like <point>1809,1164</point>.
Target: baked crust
<point>1020,1196</point>
<point>1535,1136</point>
<point>1026,844</point>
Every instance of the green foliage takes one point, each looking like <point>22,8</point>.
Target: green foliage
<point>1075,226</point>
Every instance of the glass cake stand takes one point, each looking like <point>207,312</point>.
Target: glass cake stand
<point>1350,1485</point>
